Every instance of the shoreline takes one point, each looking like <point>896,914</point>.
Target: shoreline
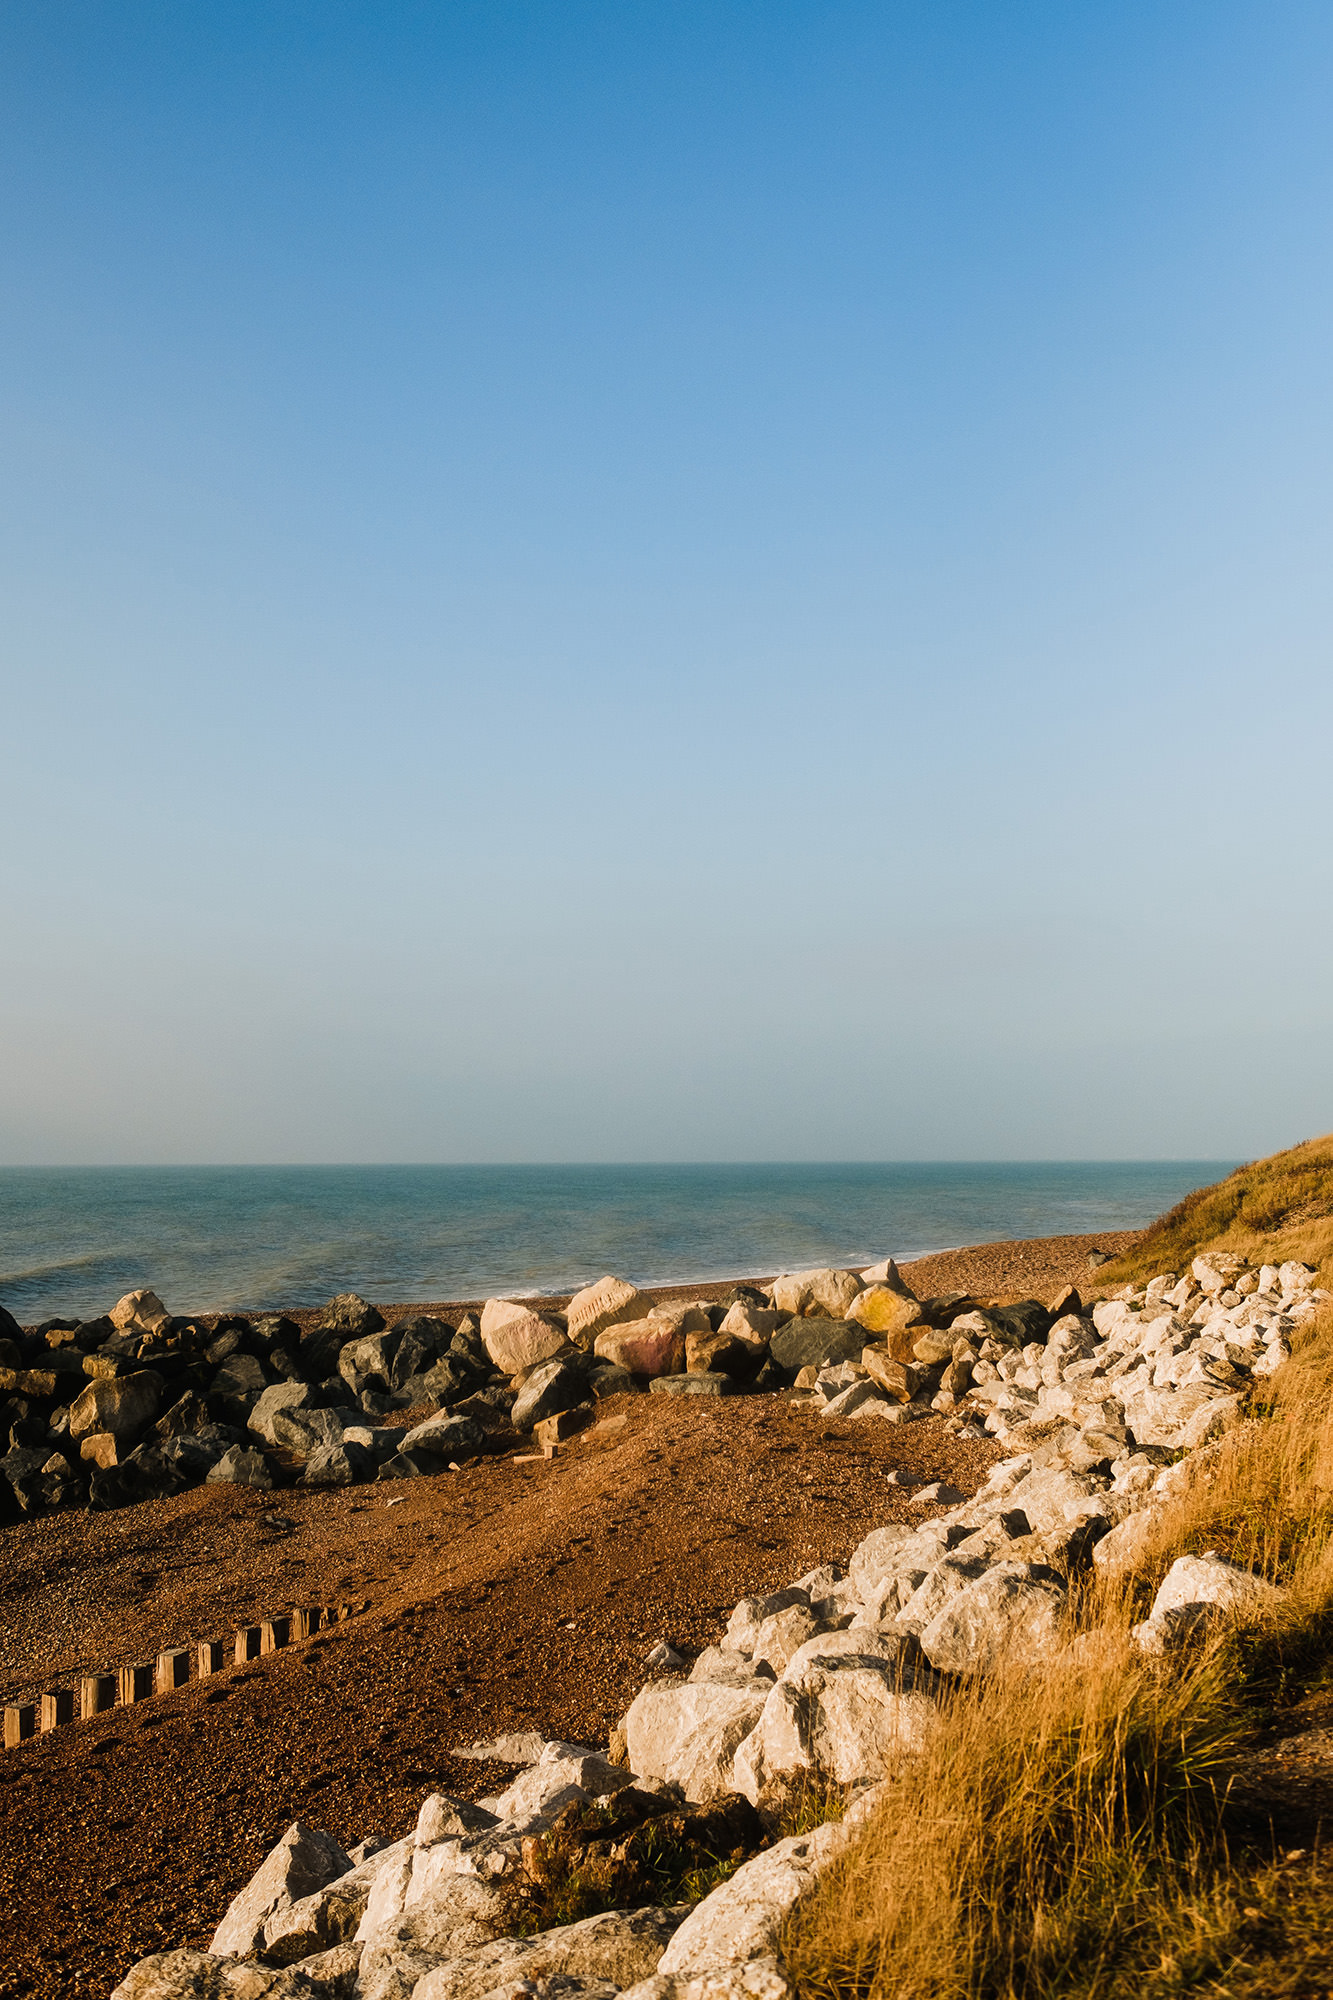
<point>1034,1264</point>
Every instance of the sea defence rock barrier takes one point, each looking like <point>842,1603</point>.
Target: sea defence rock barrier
<point>829,1683</point>
<point>139,1404</point>
<point>126,1687</point>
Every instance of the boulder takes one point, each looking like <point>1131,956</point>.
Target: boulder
<point>745,1622</point>
<point>549,1389</point>
<point>401,1947</point>
<point>516,1338</point>
<point>592,1960</point>
<point>742,1921</point>
<point>241,1467</point>
<point>99,1449</point>
<point>711,1384</point>
<point>689,1735</point>
<point>724,1353</point>
<point>610,1302</point>
<point>781,1633</point>
<point>1014,1612</point>
<point>814,1343</point>
<point>888,1275</point>
<point>303,1861</point>
<point>279,1397</point>
<point>335,1465</point>
<point>138,1312</point>
<point>1208,1579</point>
<point>124,1405</point>
<point>649,1346</point>
<point>329,1916</point>
<point>367,1363</point>
<point>823,1293</point>
<point>752,1323</point>
<point>193,1975</point>
<point>844,1719</point>
<point>885,1314</point>
<point>351,1316</point>
<point>439,1442</point>
<point>543,1786</point>
<point>238,1384</point>
<point>900,1379</point>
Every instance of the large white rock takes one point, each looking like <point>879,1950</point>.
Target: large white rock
<point>1208,1579</point>
<point>781,1633</point>
<point>461,1914</point>
<point>303,1861</point>
<point>825,1291</point>
<point>742,1919</point>
<point>140,1312</point>
<point>516,1337</point>
<point>752,1324</point>
<point>331,1916</point>
<point>745,1621</point>
<point>846,1718</point>
<point>610,1302</point>
<point>194,1975</point>
<point>689,1734</point>
<point>619,1947</point>
<point>561,1769</point>
<point>1013,1612</point>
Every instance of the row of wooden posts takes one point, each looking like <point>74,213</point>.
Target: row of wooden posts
<point>97,1692</point>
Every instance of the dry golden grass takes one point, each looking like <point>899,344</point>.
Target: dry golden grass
<point>1065,1833</point>
<point>1276,1208</point>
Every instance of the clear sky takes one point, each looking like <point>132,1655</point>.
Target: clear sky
<point>637,581</point>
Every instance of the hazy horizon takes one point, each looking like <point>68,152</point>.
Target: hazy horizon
<point>693,583</point>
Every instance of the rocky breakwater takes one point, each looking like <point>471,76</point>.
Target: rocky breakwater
<point>139,1404</point>
<point>817,1691</point>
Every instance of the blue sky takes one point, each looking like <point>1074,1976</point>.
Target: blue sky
<point>648,582</point>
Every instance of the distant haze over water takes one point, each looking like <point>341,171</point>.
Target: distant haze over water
<point>72,1240</point>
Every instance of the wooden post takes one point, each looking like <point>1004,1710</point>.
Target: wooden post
<point>274,1634</point>
<point>96,1693</point>
<point>173,1668</point>
<point>211,1657</point>
<point>20,1723</point>
<point>57,1708</point>
<point>247,1644</point>
<point>305,1623</point>
<point>135,1683</point>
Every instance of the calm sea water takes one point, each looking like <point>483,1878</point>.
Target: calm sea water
<point>72,1240</point>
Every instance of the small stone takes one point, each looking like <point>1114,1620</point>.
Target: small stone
<point>692,1385</point>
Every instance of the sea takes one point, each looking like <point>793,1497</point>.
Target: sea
<point>74,1239</point>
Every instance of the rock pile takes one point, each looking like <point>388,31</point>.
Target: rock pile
<point>830,1682</point>
<point>139,1404</point>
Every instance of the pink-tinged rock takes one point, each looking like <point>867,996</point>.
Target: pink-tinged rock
<point>649,1346</point>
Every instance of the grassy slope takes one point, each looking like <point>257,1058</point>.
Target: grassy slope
<point>1276,1208</point>
<point>1067,1836</point>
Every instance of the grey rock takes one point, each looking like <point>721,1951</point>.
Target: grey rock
<point>336,1465</point>
<point>241,1467</point>
<point>705,1383</point>
<point>278,1398</point>
<point>814,1343</point>
<point>368,1363</point>
<point>551,1387</point>
<point>349,1314</point>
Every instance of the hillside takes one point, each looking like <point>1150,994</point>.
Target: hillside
<point>1272,1209</point>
